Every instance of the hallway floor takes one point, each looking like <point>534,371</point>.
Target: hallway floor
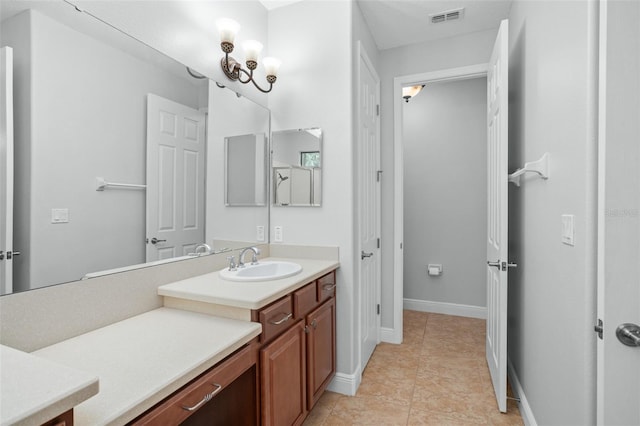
<point>437,376</point>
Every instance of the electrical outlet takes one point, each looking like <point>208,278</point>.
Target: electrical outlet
<point>277,234</point>
<point>260,233</point>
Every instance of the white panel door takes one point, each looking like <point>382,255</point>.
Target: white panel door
<point>497,217</point>
<point>618,365</point>
<point>368,153</point>
<point>175,178</point>
<point>6,170</point>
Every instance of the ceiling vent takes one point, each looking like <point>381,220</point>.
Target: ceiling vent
<point>448,15</point>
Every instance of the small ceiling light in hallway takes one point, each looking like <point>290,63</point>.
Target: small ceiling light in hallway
<point>411,91</point>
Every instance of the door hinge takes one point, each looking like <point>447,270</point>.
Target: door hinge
<point>378,308</point>
<point>599,328</point>
<point>378,242</point>
<point>378,109</point>
<point>378,175</point>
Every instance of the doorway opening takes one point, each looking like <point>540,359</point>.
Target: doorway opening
<point>437,78</point>
<point>444,132</point>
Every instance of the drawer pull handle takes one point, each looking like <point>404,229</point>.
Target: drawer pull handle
<point>206,398</point>
<point>286,318</point>
<point>328,287</point>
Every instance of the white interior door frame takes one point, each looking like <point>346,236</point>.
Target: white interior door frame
<point>451,74</point>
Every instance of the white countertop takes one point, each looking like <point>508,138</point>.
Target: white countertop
<point>210,288</point>
<point>143,359</point>
<point>35,390</point>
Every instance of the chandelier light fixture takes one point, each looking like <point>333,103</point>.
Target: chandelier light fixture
<point>228,28</point>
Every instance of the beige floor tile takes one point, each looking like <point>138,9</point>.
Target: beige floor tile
<point>392,390</point>
<point>387,371</point>
<point>437,376</point>
<point>367,411</point>
<point>510,418</point>
<point>421,417</point>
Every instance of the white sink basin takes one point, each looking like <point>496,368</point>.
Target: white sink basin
<point>263,271</point>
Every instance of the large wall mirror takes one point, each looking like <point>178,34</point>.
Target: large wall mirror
<point>118,151</point>
<point>296,165</point>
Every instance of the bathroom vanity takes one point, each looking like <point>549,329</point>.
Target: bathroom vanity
<point>297,353</point>
<point>255,352</point>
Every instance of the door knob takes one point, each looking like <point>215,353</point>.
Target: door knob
<point>154,240</point>
<point>364,255</point>
<point>11,254</point>
<point>495,264</point>
<point>628,334</point>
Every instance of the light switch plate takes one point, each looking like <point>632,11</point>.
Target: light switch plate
<point>277,234</point>
<point>260,233</point>
<point>59,215</point>
<point>568,232</point>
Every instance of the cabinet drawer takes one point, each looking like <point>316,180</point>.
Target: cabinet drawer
<point>275,318</point>
<point>326,286</point>
<point>304,300</point>
<point>172,411</point>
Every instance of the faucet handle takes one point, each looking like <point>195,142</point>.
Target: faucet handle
<point>232,263</point>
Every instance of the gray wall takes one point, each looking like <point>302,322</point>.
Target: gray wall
<point>445,192</point>
<point>442,54</point>
<point>551,293</point>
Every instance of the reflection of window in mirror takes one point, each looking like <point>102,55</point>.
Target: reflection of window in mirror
<point>310,159</point>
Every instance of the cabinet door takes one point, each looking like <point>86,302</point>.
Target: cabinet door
<point>283,373</point>
<point>321,350</point>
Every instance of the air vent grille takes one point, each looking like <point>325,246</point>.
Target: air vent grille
<point>447,15</point>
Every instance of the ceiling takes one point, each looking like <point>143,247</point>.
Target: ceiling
<point>395,23</point>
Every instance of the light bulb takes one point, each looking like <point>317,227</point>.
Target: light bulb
<point>271,66</point>
<point>252,49</point>
<point>227,28</point>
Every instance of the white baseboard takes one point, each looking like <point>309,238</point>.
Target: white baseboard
<point>518,391</point>
<point>446,308</point>
<point>346,384</point>
<point>389,335</point>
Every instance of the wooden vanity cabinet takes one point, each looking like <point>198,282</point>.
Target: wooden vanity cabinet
<point>321,350</point>
<point>298,356</point>
<point>64,419</point>
<point>283,378</point>
<point>225,394</point>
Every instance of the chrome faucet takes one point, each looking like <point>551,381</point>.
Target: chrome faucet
<point>254,259</point>
<point>205,246</point>
<point>232,263</point>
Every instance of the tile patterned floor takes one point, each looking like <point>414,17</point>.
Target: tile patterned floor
<point>437,376</point>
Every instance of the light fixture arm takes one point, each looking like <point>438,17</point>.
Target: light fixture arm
<point>233,70</point>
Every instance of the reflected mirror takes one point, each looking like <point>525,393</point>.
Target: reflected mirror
<point>296,164</point>
<point>118,151</point>
<point>245,170</point>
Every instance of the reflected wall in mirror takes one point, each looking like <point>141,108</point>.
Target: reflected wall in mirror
<point>297,167</point>
<point>89,102</point>
<point>245,170</point>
